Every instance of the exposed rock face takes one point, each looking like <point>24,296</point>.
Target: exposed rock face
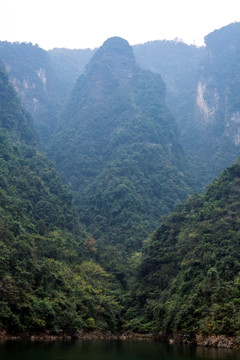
<point>36,82</point>
<point>206,109</point>
<point>220,341</point>
<point>203,93</point>
<point>42,76</point>
<point>217,98</point>
<point>213,135</point>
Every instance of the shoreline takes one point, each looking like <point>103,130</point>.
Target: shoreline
<point>85,335</point>
<point>213,341</point>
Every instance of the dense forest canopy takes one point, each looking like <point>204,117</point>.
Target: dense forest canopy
<point>48,277</point>
<point>203,94</point>
<point>79,250</point>
<point>43,80</point>
<point>188,278</point>
<point>118,150</point>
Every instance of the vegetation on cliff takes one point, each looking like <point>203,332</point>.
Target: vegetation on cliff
<point>188,278</point>
<point>117,149</point>
<point>48,277</point>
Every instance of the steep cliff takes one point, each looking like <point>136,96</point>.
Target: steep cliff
<point>203,93</point>
<point>45,252</point>
<point>215,129</point>
<point>118,149</point>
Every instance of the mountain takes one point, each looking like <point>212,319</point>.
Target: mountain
<point>127,162</point>
<point>216,111</point>
<point>202,92</point>
<point>117,148</point>
<point>48,277</point>
<point>68,64</point>
<point>13,118</point>
<point>188,278</point>
<point>33,78</point>
<point>43,80</point>
<point>178,64</point>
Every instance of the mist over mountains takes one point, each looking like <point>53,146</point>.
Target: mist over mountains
<point>117,148</point>
<point>132,132</point>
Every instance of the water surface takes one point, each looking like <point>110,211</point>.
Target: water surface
<point>109,350</point>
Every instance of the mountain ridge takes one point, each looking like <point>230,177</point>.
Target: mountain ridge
<point>47,257</point>
<point>112,119</point>
<point>188,277</point>
<point>118,148</point>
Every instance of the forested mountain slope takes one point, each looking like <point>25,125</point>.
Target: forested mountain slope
<point>178,64</point>
<point>188,279</point>
<point>201,91</point>
<point>203,94</point>
<point>47,281</point>
<point>43,80</point>
<point>213,137</point>
<point>14,119</point>
<point>117,148</point>
<point>32,75</point>
<point>68,65</point>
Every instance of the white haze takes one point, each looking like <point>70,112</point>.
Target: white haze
<point>88,23</point>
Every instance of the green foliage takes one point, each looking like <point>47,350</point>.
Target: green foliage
<point>44,282</point>
<point>213,138</point>
<point>203,94</point>
<point>13,117</point>
<point>33,75</point>
<point>189,273</point>
<point>177,63</point>
<point>117,149</point>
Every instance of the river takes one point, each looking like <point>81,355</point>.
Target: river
<point>109,350</point>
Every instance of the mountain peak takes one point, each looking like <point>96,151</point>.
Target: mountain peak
<point>117,45</point>
<point>117,55</point>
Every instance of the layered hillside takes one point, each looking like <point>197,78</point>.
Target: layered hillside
<point>14,119</point>
<point>68,65</point>
<point>189,272</point>
<point>178,64</point>
<point>43,80</point>
<point>117,148</point>
<point>203,94</point>
<point>201,90</point>
<point>213,137</point>
<point>32,75</point>
<point>47,281</point>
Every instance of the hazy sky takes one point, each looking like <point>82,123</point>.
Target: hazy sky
<point>88,23</point>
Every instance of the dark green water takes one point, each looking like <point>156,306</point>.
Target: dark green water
<point>109,350</point>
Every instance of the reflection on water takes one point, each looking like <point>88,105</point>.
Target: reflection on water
<point>109,350</point>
